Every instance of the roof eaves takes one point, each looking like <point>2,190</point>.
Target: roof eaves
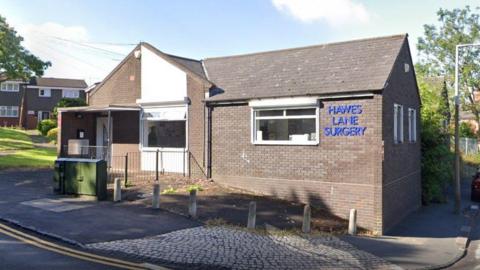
<point>212,100</point>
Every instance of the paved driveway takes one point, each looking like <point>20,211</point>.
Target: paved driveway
<point>27,198</point>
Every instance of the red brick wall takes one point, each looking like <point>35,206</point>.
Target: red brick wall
<point>70,124</point>
<point>338,174</point>
<point>123,87</point>
<point>125,134</point>
<point>402,172</point>
<point>196,124</point>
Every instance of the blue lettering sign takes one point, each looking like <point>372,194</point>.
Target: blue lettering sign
<point>347,121</point>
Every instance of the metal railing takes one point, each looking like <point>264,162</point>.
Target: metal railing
<point>468,146</point>
<point>143,166</point>
<point>90,152</point>
<point>148,166</point>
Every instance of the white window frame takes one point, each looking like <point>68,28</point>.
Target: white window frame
<point>12,109</point>
<point>254,119</point>
<point>412,125</point>
<point>45,91</point>
<point>69,93</point>
<point>143,128</point>
<point>40,115</point>
<point>397,109</point>
<point>15,86</point>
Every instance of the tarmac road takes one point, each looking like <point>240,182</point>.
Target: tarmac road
<point>18,255</point>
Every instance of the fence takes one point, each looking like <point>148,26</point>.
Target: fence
<point>90,152</point>
<point>143,166</point>
<point>146,166</point>
<point>468,146</point>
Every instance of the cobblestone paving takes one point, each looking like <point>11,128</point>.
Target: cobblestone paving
<point>220,247</point>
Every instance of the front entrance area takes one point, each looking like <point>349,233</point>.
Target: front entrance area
<point>102,137</point>
<point>42,115</point>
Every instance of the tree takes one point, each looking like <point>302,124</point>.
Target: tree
<point>466,131</point>
<point>437,159</point>
<point>16,61</point>
<point>437,53</point>
<point>68,102</point>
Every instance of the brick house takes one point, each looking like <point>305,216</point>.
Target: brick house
<point>333,125</point>
<point>27,103</point>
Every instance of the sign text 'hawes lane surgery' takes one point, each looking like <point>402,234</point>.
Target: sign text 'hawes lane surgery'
<point>345,121</point>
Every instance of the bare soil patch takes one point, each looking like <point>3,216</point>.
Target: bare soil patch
<point>219,204</point>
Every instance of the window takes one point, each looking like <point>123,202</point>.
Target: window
<point>285,126</point>
<point>165,134</point>
<point>9,87</point>
<point>71,93</point>
<point>43,92</point>
<point>43,115</point>
<point>398,123</point>
<point>8,111</point>
<point>412,125</point>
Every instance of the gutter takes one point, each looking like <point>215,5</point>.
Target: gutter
<point>369,93</point>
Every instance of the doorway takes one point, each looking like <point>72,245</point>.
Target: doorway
<point>103,137</point>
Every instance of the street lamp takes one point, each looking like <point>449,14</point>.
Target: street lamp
<point>457,124</point>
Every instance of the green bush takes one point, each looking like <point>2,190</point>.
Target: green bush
<point>45,125</point>
<point>52,134</point>
<point>68,102</point>
<point>196,187</point>
<point>437,157</point>
<point>466,130</point>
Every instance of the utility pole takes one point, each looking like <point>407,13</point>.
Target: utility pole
<point>458,195</point>
<point>457,124</point>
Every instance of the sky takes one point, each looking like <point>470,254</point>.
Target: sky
<point>86,39</point>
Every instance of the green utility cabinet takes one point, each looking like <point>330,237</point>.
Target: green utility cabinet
<point>81,177</point>
<point>58,176</point>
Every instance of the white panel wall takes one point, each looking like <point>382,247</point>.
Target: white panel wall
<point>160,80</point>
<point>168,161</point>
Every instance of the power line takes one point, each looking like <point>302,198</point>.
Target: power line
<point>111,43</point>
<point>85,44</point>
<point>87,50</point>
<point>88,46</point>
<point>56,50</point>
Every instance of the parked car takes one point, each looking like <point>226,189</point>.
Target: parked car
<point>475,191</point>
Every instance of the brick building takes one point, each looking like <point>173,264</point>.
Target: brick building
<point>333,125</point>
<point>27,103</point>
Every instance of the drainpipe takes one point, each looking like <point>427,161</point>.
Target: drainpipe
<point>109,140</point>
<point>209,141</point>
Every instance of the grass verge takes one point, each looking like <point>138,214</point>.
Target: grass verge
<point>18,151</point>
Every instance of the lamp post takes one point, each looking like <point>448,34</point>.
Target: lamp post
<point>457,124</point>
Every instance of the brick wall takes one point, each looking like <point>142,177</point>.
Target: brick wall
<point>123,87</point>
<point>125,134</point>
<point>196,127</point>
<point>70,124</point>
<point>402,175</point>
<point>338,174</point>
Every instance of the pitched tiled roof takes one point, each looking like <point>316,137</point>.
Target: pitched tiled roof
<point>343,67</point>
<point>59,82</point>
<point>191,66</point>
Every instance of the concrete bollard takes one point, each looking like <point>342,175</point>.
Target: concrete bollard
<point>156,196</point>
<point>307,219</point>
<point>252,215</point>
<point>117,190</point>
<point>192,204</point>
<point>352,222</point>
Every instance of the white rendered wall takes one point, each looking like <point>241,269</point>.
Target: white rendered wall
<point>160,80</point>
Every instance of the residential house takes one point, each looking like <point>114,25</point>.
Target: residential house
<point>334,125</point>
<point>27,103</point>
